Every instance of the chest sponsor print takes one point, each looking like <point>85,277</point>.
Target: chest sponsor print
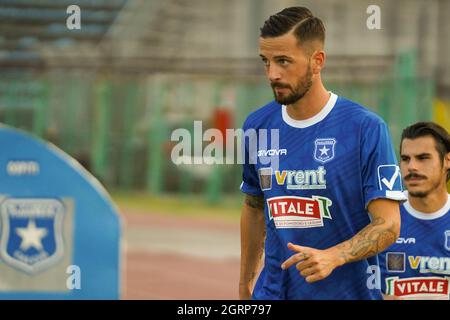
<point>299,212</point>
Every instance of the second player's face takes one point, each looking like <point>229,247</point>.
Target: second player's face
<point>422,169</point>
<point>287,67</point>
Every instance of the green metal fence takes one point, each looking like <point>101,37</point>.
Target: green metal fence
<point>119,127</point>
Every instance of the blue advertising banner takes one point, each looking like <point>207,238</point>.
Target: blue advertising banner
<point>60,232</point>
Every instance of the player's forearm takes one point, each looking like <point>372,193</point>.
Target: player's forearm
<point>374,238</point>
<point>381,232</point>
<point>252,243</point>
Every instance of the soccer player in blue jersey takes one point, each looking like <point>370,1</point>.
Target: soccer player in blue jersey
<point>417,266</point>
<point>322,187</point>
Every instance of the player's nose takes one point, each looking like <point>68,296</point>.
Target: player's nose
<point>273,73</point>
<point>412,165</point>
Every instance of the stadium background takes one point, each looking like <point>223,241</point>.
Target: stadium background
<point>111,94</point>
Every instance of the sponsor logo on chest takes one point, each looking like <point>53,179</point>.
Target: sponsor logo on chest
<point>302,179</point>
<point>299,212</point>
<point>395,262</point>
<point>427,264</point>
<point>418,287</point>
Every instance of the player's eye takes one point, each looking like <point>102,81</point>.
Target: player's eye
<point>404,158</point>
<point>283,62</point>
<point>265,61</point>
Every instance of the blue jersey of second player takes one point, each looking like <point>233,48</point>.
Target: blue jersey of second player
<point>417,266</point>
<point>317,177</point>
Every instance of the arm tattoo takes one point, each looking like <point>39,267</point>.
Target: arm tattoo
<point>371,240</point>
<point>252,275</point>
<point>254,202</point>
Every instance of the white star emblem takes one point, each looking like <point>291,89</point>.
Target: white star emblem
<point>324,151</point>
<point>31,236</point>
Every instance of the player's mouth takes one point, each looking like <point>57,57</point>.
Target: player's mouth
<point>279,86</point>
<point>415,184</point>
<point>413,179</point>
<point>280,90</point>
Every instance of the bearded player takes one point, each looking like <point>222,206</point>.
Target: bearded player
<point>322,184</point>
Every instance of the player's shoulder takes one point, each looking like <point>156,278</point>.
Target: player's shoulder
<point>357,112</point>
<point>260,116</point>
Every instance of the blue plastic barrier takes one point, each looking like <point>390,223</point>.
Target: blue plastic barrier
<point>59,230</point>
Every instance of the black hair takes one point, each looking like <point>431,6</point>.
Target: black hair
<point>306,26</point>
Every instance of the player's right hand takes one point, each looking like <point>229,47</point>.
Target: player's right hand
<point>312,264</point>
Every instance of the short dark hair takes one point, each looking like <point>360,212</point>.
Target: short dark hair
<point>438,133</point>
<point>306,26</point>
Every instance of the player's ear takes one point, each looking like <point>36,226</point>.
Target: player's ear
<point>317,61</point>
<point>447,161</point>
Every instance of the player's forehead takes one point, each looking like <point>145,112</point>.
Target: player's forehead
<point>285,45</point>
<point>418,146</point>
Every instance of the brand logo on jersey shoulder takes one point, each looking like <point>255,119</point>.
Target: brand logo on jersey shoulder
<point>417,287</point>
<point>447,240</point>
<point>298,212</point>
<point>389,177</point>
<point>272,152</point>
<point>302,179</point>
<point>401,240</point>
<point>324,149</point>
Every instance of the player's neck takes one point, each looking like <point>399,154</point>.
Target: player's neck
<point>311,104</point>
<point>431,203</point>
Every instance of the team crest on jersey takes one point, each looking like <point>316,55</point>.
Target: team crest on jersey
<point>324,149</point>
<point>31,238</point>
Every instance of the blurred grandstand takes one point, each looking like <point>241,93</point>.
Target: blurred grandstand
<point>111,93</point>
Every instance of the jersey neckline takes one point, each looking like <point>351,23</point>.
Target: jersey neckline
<point>314,119</point>
<point>428,216</point>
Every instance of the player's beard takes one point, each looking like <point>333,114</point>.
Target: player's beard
<point>297,93</point>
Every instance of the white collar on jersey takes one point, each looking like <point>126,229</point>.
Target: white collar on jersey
<point>313,120</point>
<point>427,216</point>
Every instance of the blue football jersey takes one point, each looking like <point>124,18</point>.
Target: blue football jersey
<point>317,177</point>
<point>417,266</point>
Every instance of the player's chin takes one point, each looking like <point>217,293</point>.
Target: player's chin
<point>417,192</point>
<point>281,95</point>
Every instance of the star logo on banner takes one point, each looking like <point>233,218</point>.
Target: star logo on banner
<point>31,236</point>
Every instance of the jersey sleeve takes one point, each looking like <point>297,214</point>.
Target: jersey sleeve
<point>250,181</point>
<point>381,176</point>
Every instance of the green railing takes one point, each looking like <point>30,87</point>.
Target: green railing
<point>119,127</point>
